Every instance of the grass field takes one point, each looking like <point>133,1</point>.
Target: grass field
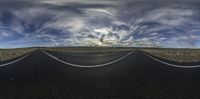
<point>180,55</point>
<point>6,54</point>
<point>90,50</point>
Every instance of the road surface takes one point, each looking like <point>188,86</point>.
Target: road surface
<point>39,65</point>
<point>116,78</point>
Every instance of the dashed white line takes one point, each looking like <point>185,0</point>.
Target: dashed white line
<point>87,66</point>
<point>12,62</point>
<point>174,65</point>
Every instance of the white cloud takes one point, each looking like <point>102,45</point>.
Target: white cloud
<point>125,24</point>
<point>63,2</point>
<point>4,34</point>
<point>98,10</point>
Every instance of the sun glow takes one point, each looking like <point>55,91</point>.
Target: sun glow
<point>100,44</point>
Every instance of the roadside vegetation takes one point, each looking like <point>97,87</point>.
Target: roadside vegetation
<point>89,50</point>
<point>6,54</point>
<point>180,55</point>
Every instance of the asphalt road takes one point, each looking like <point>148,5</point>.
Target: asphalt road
<point>136,65</point>
<point>118,78</point>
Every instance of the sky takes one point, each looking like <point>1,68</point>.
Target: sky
<point>118,23</point>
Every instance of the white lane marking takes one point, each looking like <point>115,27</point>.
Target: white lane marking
<point>174,65</point>
<point>12,62</point>
<point>87,66</point>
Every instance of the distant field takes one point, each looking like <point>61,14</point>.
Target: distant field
<point>180,55</point>
<point>6,54</point>
<point>90,50</point>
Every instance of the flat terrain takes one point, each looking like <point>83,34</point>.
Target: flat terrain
<point>137,76</point>
<point>6,54</point>
<point>179,55</point>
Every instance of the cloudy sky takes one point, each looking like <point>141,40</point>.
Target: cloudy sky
<point>146,23</point>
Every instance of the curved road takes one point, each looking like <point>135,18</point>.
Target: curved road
<point>106,60</point>
<point>40,65</point>
<point>128,78</point>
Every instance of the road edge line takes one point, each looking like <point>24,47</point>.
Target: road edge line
<point>174,65</point>
<point>12,62</point>
<point>87,66</point>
